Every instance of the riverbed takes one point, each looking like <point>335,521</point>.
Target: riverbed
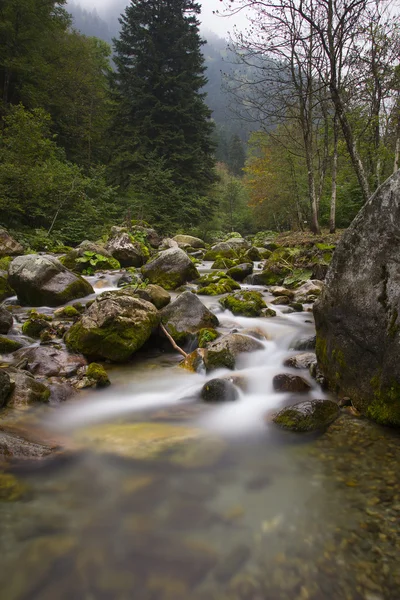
<point>158,496</point>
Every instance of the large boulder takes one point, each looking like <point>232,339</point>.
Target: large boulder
<point>41,280</point>
<point>185,241</point>
<point>170,269</point>
<point>9,246</point>
<point>357,313</point>
<point>6,320</point>
<point>311,415</point>
<point>219,390</point>
<point>187,315</point>
<point>224,352</point>
<point>113,327</point>
<point>48,361</point>
<point>127,252</point>
<point>154,294</point>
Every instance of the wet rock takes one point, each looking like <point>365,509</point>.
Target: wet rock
<point>312,415</point>
<point>296,306</point>
<point>113,327</point>
<point>155,294</point>
<point>223,263</point>
<point>194,362</point>
<point>281,301</point>
<point>150,235</point>
<point>127,252</point>
<point>225,351</point>
<point>188,240</point>
<point>219,390</point>
<point>309,290</point>
<point>237,243</point>
<point>240,272</point>
<point>357,314</point>
<point>269,312</point>
<point>5,387</point>
<point>26,389</point>
<point>170,269</point>
<point>206,336</point>
<point>301,361</point>
<point>67,312</point>
<point>127,279</point>
<point>48,361</point>
<point>245,303</point>
<point>41,280</point>
<point>9,246</point>
<point>6,320</point>
<point>305,343</point>
<point>216,284</point>
<point>187,315</point>
<point>285,382</point>
<point>34,326</point>
<point>254,254</point>
<point>277,290</point>
<point>94,375</point>
<point>8,345</point>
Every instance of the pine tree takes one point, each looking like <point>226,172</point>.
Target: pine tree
<point>237,156</point>
<point>162,124</point>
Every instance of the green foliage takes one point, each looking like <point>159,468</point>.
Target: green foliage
<point>297,277</point>
<point>97,262</point>
<point>205,336</point>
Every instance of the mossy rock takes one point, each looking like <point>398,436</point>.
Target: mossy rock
<point>223,263</point>
<point>7,346</point>
<point>5,262</point>
<point>67,312</point>
<point>225,286</point>
<point>34,327</point>
<point>244,303</point>
<point>254,254</point>
<point>208,278</point>
<point>98,373</point>
<point>170,269</point>
<point>270,277</point>
<point>269,312</point>
<point>6,290</point>
<point>311,415</point>
<point>240,272</point>
<point>11,489</point>
<point>205,336</point>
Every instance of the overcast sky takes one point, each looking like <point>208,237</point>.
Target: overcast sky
<point>219,25</point>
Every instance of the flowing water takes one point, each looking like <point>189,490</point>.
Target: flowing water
<point>160,496</point>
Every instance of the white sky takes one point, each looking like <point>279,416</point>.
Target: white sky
<point>219,25</point>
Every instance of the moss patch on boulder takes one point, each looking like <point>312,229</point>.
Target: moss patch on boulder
<point>244,303</point>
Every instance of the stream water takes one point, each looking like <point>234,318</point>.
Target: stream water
<point>159,496</point>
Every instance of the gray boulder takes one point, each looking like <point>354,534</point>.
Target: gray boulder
<point>113,327</point>
<point>219,390</point>
<point>238,243</point>
<point>224,352</point>
<point>48,361</point>
<point>154,294</point>
<point>305,360</point>
<point>188,240</point>
<point>357,315</point>
<point>170,269</point>
<point>284,382</point>
<point>187,315</point>
<point>240,272</point>
<point>6,320</point>
<point>41,280</point>
<point>127,252</point>
<point>311,415</point>
<point>9,246</point>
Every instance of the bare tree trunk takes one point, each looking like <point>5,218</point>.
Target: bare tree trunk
<point>332,215</point>
<point>397,154</point>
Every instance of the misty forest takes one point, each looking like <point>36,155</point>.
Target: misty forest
<point>199,300</point>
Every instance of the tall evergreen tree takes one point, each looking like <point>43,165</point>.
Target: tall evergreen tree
<point>162,124</point>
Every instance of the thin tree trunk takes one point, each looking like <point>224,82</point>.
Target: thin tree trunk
<point>332,216</point>
<point>397,153</point>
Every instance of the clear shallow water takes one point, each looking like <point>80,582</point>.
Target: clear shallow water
<point>161,497</point>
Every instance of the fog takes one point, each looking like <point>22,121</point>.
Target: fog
<point>218,24</point>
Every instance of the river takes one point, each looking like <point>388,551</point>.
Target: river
<point>161,497</point>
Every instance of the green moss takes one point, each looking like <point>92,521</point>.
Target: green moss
<point>297,277</point>
<point>253,254</point>
<point>325,246</point>
<point>33,327</point>
<point>269,277</point>
<point>6,290</point>
<point>99,374</point>
<point>211,278</point>
<point>10,488</point>
<point>244,303</point>
<point>321,350</point>
<point>8,346</point>
<point>225,286</point>
<point>5,262</point>
<point>70,312</point>
<point>297,306</point>
<point>269,312</point>
<point>205,336</point>
<point>385,408</point>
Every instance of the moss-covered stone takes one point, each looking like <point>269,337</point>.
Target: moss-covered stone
<point>33,327</point>
<point>244,303</point>
<point>170,269</point>
<point>7,346</point>
<point>385,407</point>
<point>98,374</point>
<point>225,286</point>
<point>240,272</point>
<point>223,263</point>
<point>114,327</point>
<point>253,254</point>
<point>311,415</point>
<point>6,290</point>
<point>269,312</point>
<point>5,262</point>
<point>205,336</point>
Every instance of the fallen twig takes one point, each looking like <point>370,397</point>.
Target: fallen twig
<point>173,343</point>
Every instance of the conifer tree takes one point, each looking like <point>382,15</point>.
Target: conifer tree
<point>161,123</point>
